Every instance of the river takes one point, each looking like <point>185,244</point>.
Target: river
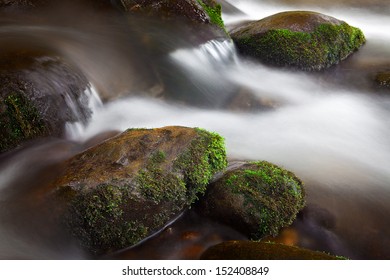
<point>332,128</point>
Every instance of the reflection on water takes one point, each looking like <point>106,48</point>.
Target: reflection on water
<point>330,128</point>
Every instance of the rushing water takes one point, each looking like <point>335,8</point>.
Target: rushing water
<point>330,128</point>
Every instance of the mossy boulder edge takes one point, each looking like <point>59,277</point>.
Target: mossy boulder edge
<point>127,188</point>
<point>255,198</point>
<point>299,39</point>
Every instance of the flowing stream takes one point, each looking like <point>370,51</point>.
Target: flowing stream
<point>332,129</point>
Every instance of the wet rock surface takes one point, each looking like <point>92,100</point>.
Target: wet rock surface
<point>249,250</point>
<point>255,198</point>
<point>119,192</point>
<point>39,94</point>
<point>298,39</point>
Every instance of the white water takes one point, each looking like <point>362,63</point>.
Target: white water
<point>72,130</point>
<point>318,130</point>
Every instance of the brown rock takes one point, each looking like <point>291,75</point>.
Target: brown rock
<point>119,192</point>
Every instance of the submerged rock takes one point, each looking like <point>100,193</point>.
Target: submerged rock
<point>119,192</point>
<point>247,101</point>
<point>255,198</point>
<point>382,80</point>
<point>39,93</point>
<point>249,250</point>
<point>300,39</point>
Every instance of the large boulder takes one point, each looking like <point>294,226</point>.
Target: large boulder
<point>300,39</point>
<point>248,250</point>
<point>119,192</point>
<point>39,94</point>
<point>255,198</point>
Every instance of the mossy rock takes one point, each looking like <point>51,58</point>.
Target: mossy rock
<point>119,192</point>
<point>255,198</point>
<point>249,250</point>
<point>34,87</point>
<point>299,39</point>
<point>382,80</point>
<point>199,11</point>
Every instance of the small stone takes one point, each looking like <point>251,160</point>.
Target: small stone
<point>382,79</point>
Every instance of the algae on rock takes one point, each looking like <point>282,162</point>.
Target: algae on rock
<point>33,87</point>
<point>256,198</point>
<point>130,186</point>
<point>19,121</point>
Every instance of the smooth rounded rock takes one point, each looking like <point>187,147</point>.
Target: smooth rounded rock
<point>299,39</point>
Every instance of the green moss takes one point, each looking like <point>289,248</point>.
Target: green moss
<point>159,185</point>
<point>19,121</point>
<point>205,157</point>
<point>214,11</point>
<point>97,218</point>
<point>326,45</point>
<point>123,211</point>
<point>272,194</point>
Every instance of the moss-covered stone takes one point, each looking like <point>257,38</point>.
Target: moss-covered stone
<point>39,93</point>
<point>248,250</point>
<point>127,188</point>
<point>214,11</point>
<point>304,40</point>
<point>256,198</point>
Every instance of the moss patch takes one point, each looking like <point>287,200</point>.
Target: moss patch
<point>158,185</point>
<point>97,218</point>
<point>19,121</point>
<point>200,166</point>
<point>325,46</point>
<point>255,198</point>
<point>214,11</point>
<point>271,193</point>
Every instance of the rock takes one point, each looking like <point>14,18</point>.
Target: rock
<point>255,198</point>
<point>247,101</point>
<point>249,250</point>
<point>382,80</point>
<point>200,11</point>
<point>39,93</point>
<point>299,39</point>
<point>117,193</point>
